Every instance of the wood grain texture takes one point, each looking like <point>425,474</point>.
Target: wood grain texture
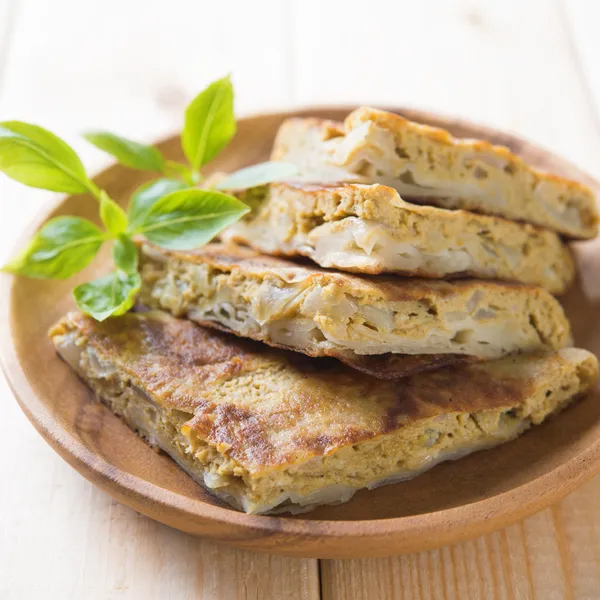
<point>502,63</point>
<point>579,17</point>
<point>133,75</point>
<point>452,502</point>
<point>83,544</point>
<point>553,555</point>
<point>62,538</point>
<point>506,63</point>
<point>135,68</point>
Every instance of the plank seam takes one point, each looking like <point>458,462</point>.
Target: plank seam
<point>320,577</point>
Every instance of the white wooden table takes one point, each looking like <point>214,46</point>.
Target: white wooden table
<point>529,66</point>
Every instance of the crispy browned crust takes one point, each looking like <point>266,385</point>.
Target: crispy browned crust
<point>382,366</point>
<point>245,399</point>
<point>396,366</point>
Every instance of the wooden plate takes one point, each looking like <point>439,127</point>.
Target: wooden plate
<point>452,502</point>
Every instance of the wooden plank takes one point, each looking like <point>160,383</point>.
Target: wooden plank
<point>118,66</point>
<point>139,68</point>
<point>132,69</point>
<point>8,12</point>
<point>580,19</point>
<point>506,64</point>
<point>555,554</point>
<point>60,537</point>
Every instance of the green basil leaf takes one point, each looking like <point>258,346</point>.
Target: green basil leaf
<point>190,218</point>
<point>146,195</point>
<point>209,123</point>
<point>34,156</point>
<point>61,248</point>
<point>267,172</point>
<point>108,296</point>
<point>125,254</point>
<point>112,215</point>
<point>127,152</point>
<point>175,169</point>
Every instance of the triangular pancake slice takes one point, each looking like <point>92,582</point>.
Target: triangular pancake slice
<point>428,165</point>
<point>272,431</point>
<point>370,229</point>
<point>368,322</point>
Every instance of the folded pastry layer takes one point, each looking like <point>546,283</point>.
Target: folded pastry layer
<point>271,431</point>
<point>370,229</point>
<point>352,318</point>
<point>430,166</point>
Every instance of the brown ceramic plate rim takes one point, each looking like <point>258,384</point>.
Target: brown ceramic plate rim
<point>432,529</point>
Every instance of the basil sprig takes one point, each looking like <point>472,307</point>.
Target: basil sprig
<point>209,125</point>
<point>170,211</point>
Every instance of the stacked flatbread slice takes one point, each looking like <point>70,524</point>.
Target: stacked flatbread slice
<point>398,309</point>
<point>429,166</point>
<point>272,430</point>
<point>387,326</point>
<point>370,229</point>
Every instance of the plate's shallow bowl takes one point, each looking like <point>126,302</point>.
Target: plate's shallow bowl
<point>452,502</point>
